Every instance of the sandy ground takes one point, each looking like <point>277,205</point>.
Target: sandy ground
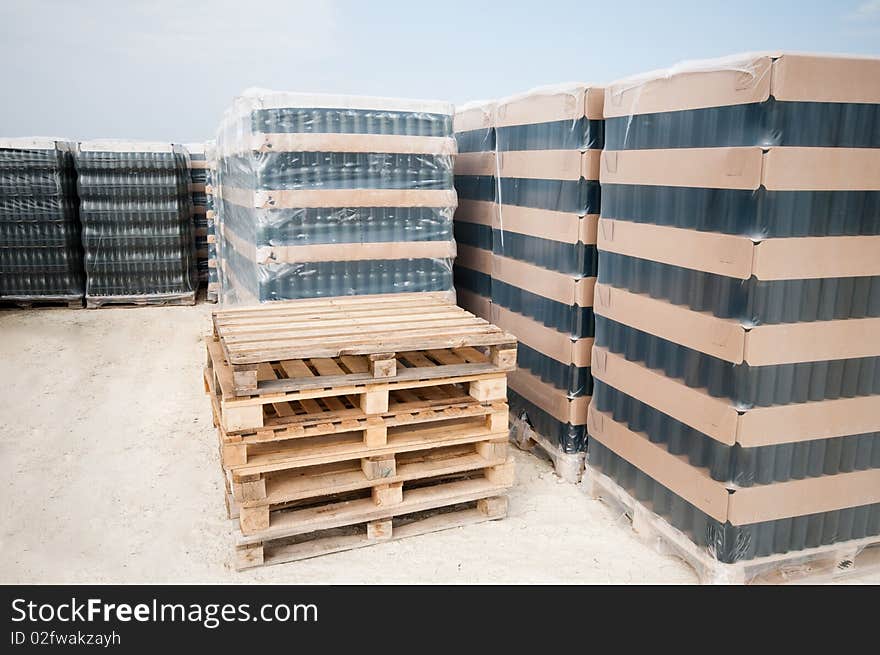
<point>110,474</point>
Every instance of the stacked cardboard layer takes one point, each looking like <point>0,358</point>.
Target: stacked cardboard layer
<point>136,214</point>
<point>548,143</point>
<point>198,179</point>
<point>475,185</point>
<point>334,195</point>
<point>737,353</point>
<point>41,255</point>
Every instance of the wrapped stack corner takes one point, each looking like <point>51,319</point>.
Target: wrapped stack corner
<point>349,421</point>
<point>737,355</point>
<point>334,195</point>
<point>548,144</point>
<point>198,176</point>
<point>211,221</point>
<point>475,185</point>
<point>41,258</point>
<point>137,232</point>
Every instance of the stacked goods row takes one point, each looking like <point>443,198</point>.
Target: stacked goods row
<point>211,222</point>
<point>198,176</point>
<point>475,186</point>
<point>334,195</point>
<point>347,421</point>
<point>136,214</point>
<point>737,353</point>
<point>41,258</point>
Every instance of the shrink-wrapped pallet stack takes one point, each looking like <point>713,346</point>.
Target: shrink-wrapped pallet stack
<point>136,213</point>
<point>41,258</point>
<point>737,353</point>
<point>476,214</point>
<point>548,143</point>
<point>334,195</point>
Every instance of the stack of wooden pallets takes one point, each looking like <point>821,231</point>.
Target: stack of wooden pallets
<point>346,421</point>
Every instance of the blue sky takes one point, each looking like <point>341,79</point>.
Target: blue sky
<point>166,69</point>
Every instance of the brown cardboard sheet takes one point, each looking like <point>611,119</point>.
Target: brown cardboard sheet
<point>475,303</point>
<point>481,212</point>
<point>547,224</point>
<point>822,169</point>
<point>797,258</point>
<point>739,506</point>
<point>542,338</point>
<point>552,400</point>
<point>718,419</point>
<point>736,80</point>
<point>727,339</point>
<point>475,163</point>
<point>329,142</point>
<point>475,259</point>
<point>474,117</point>
<point>826,78</point>
<point>349,198</point>
<point>551,104</point>
<point>543,282</point>
<point>549,164</point>
<point>334,252</point>
<point>714,168</point>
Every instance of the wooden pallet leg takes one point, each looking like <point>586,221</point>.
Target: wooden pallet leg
<point>383,365</point>
<point>247,488</point>
<point>233,454</point>
<point>244,377</point>
<point>375,400</point>
<point>248,556</point>
<point>379,467</point>
<point>242,417</point>
<point>379,530</point>
<point>501,474</point>
<point>376,433</point>
<point>388,494</point>
<point>492,450</point>
<point>488,390</point>
<point>253,519</point>
<point>497,420</point>
<point>232,509</point>
<point>503,356</point>
<point>493,508</point>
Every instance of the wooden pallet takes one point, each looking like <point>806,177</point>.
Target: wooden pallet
<point>809,566</point>
<point>383,336</point>
<point>313,531</point>
<point>331,384</point>
<point>382,478</point>
<point>47,302</point>
<point>171,299</point>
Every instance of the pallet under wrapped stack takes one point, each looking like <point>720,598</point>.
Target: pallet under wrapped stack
<point>334,195</point>
<point>347,421</point>
<point>548,143</point>
<point>41,257</point>
<point>475,185</point>
<point>136,214</point>
<point>736,409</point>
<point>198,176</point>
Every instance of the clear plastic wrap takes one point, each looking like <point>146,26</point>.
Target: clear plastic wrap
<point>334,195</point>
<point>714,174</point>
<point>136,213</point>
<point>198,181</point>
<point>41,256</point>
<point>210,221</point>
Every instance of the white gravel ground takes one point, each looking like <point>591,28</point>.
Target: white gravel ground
<point>110,474</point>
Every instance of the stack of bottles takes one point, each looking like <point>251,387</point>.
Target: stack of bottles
<point>198,176</point>
<point>334,195</point>
<point>210,221</point>
<point>548,143</point>
<point>737,352</point>
<point>475,185</point>
<point>41,255</point>
<point>136,213</point>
